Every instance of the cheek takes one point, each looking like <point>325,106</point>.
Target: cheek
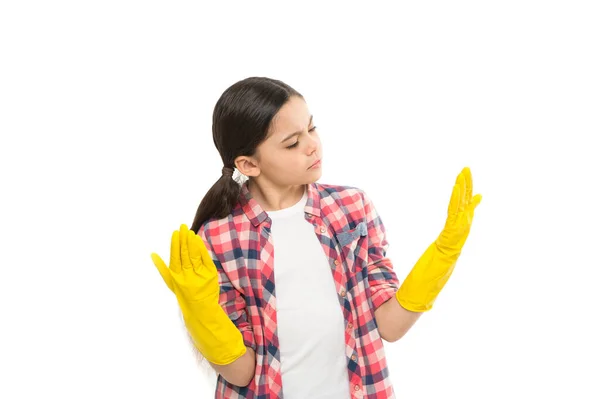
<point>283,162</point>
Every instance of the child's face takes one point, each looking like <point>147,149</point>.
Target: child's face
<point>286,159</point>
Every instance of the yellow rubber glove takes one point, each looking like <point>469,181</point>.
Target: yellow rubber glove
<point>193,278</point>
<point>433,269</point>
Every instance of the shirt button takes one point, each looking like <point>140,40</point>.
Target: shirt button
<point>354,357</point>
<point>356,387</point>
<point>349,326</point>
<point>323,229</point>
<point>343,293</point>
<point>337,262</point>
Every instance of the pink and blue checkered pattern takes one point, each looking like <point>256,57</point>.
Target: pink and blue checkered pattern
<point>353,239</point>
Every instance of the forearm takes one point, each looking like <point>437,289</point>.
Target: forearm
<point>241,371</point>
<point>393,321</point>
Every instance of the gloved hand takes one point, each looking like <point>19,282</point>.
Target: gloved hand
<point>193,278</point>
<point>433,269</point>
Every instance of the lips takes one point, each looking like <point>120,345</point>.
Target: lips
<point>315,163</point>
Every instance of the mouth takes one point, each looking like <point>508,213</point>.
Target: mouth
<point>316,164</point>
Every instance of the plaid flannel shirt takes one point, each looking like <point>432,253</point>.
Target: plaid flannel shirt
<point>353,239</point>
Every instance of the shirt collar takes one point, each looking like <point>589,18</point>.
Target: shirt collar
<point>257,215</point>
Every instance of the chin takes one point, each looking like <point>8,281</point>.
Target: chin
<point>315,178</point>
<point>311,178</point>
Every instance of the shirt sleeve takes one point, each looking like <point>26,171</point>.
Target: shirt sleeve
<point>383,281</point>
<point>231,300</point>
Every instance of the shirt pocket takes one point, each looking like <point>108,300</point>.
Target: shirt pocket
<point>353,247</point>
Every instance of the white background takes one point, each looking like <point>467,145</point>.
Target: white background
<point>106,147</point>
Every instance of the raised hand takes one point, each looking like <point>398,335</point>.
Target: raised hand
<point>461,210</point>
<point>429,275</point>
<point>191,273</point>
<point>194,279</point>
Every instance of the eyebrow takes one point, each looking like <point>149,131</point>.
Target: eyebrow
<point>289,136</point>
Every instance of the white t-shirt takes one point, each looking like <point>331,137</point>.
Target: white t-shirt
<point>310,322</point>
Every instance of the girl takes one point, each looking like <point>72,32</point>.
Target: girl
<point>283,282</point>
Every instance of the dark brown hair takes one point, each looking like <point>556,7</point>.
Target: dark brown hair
<point>241,121</point>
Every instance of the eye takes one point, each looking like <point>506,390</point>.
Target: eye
<point>296,143</point>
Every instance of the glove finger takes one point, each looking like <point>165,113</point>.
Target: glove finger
<point>175,253</point>
<point>460,176</point>
<point>470,213</point>
<point>469,184</point>
<point>453,205</point>
<point>462,198</point>
<point>194,249</point>
<point>185,254</point>
<point>163,270</point>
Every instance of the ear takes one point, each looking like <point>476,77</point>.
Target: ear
<point>248,166</point>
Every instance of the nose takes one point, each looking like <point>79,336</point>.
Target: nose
<point>312,145</point>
